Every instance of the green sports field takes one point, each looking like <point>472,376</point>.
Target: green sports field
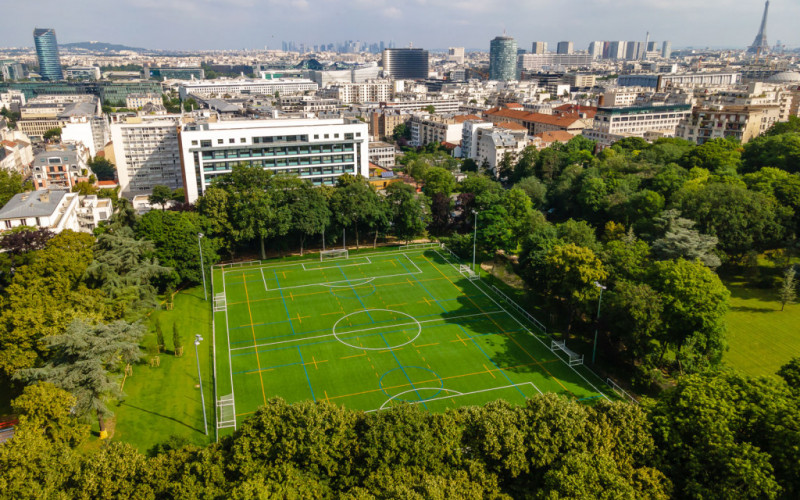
<point>374,330</point>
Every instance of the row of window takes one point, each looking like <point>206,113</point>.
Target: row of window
<point>277,151</point>
<point>349,136</point>
<point>278,162</point>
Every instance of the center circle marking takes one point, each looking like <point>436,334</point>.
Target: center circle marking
<point>412,321</point>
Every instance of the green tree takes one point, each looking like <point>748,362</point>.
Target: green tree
<point>53,133</point>
<point>103,168</point>
<point>11,183</point>
<point>695,302</point>
<point>742,220</point>
<point>716,155</point>
<point>160,336</point>
<point>790,373</point>
<point>469,165</point>
<point>680,240</point>
<point>174,237</point>
<point>177,345</point>
<point>401,131</point>
<point>161,195</point>
<point>84,188</point>
<point>788,288</point>
<point>49,409</point>
<point>780,151</point>
<point>438,180</point>
<point>310,212</point>
<point>408,212</point>
<point>84,360</point>
<point>354,203</point>
<point>570,276</point>
<point>535,189</point>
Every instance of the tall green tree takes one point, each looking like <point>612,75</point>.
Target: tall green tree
<point>161,195</point>
<point>11,183</point>
<point>680,240</point>
<point>408,212</point>
<point>695,302</point>
<point>310,212</point>
<point>85,360</point>
<point>355,203</point>
<point>788,289</point>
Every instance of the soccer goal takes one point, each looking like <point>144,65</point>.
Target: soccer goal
<point>333,255</point>
<point>226,412</point>
<point>467,272</point>
<point>575,359</point>
<point>220,302</point>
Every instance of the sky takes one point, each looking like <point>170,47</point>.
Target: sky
<point>433,24</point>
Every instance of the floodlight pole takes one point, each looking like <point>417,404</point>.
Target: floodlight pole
<point>197,339</point>
<point>202,266</point>
<point>323,239</point>
<point>474,239</point>
<point>597,321</point>
<point>344,239</point>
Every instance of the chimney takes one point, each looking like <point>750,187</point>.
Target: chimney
<point>44,197</point>
<point>601,101</point>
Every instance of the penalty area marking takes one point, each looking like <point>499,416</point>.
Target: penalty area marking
<point>383,348</point>
<point>348,284</point>
<point>437,389</point>
<point>455,396</point>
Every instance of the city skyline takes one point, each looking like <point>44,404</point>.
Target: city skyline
<point>432,24</point>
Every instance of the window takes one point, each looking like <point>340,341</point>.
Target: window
<point>327,136</point>
<point>231,141</point>
<point>220,141</point>
<point>316,136</point>
<point>194,143</point>
<point>205,144</point>
<point>242,140</point>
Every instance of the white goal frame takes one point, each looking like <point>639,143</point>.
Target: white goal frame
<point>337,254</point>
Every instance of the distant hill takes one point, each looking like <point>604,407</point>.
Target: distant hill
<point>101,46</point>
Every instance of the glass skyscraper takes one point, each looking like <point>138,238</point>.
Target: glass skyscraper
<point>503,59</point>
<point>47,51</point>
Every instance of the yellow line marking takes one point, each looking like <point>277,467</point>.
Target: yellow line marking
<point>425,345</point>
<point>459,339</point>
<point>390,350</point>
<point>335,312</point>
<point>292,296</point>
<point>327,400</point>
<point>501,328</point>
<point>300,318</point>
<point>354,356</point>
<point>284,274</point>
<point>397,305</point>
<point>489,371</point>
<point>255,342</point>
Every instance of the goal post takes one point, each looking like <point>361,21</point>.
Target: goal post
<point>339,254</point>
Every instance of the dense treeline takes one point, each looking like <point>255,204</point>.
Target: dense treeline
<point>713,436</point>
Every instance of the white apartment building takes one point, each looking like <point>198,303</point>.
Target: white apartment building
<point>350,93</point>
<point>16,155</point>
<point>426,129</point>
<point>208,88</point>
<point>12,100</point>
<point>536,62</point>
<point>494,144</point>
<point>440,106</point>
<point>136,101</point>
<point>469,137</point>
<point>56,210</point>
<point>147,153</point>
<point>382,153</point>
<point>83,72</point>
<point>743,123</point>
<point>613,124</point>
<point>318,150</point>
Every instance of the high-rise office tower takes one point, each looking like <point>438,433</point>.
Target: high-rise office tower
<point>666,49</point>
<point>760,45</point>
<point>596,49</point>
<point>633,50</point>
<point>456,55</point>
<point>616,49</point>
<point>503,58</point>
<point>565,48</point>
<point>409,64</point>
<point>539,48</point>
<point>47,51</point>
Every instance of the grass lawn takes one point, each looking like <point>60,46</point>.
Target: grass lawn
<point>762,338</point>
<point>163,401</point>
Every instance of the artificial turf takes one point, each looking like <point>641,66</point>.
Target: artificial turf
<point>376,330</point>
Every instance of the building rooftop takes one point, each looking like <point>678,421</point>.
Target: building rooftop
<point>32,204</point>
<point>555,136</point>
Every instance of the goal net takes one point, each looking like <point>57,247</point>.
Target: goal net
<point>333,255</point>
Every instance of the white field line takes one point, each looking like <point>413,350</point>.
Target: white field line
<point>456,396</point>
<point>256,265</point>
<point>435,320</point>
<point>230,361</point>
<point>336,267</point>
<point>344,283</point>
<point>264,279</point>
<point>537,338</point>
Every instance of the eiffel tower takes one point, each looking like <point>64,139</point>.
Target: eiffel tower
<point>760,45</point>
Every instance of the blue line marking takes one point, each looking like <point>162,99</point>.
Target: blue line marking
<point>285,307</point>
<point>441,382</point>
<point>354,292</point>
<point>419,396</point>
<point>492,361</point>
<point>308,379</point>
<point>423,286</point>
